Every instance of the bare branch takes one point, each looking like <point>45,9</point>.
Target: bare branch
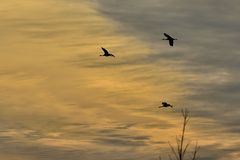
<point>173,150</point>
<point>170,158</point>
<point>159,157</point>
<point>178,144</point>
<point>194,154</point>
<point>185,149</point>
<point>179,152</point>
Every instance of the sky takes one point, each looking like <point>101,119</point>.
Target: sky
<point>60,100</point>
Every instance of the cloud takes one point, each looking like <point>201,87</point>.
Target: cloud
<point>206,54</point>
<point>60,100</point>
<point>207,50</point>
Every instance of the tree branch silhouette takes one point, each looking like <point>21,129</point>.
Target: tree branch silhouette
<point>181,148</point>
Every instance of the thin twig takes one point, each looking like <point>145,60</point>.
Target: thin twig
<point>196,149</point>
<point>173,150</point>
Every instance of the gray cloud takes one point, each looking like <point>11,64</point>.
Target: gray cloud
<point>12,146</point>
<point>126,142</point>
<point>207,31</point>
<point>216,151</point>
<point>207,52</point>
<point>206,56</point>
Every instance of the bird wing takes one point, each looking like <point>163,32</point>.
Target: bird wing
<point>165,34</point>
<point>105,51</point>
<point>171,42</point>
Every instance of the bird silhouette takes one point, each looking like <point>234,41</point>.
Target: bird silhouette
<point>106,53</point>
<point>169,38</point>
<point>165,104</point>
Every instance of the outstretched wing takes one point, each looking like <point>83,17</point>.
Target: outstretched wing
<point>171,42</point>
<point>166,35</point>
<point>105,51</point>
<point>112,55</point>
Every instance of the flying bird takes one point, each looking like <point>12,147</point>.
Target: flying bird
<point>106,53</point>
<point>165,104</point>
<point>169,38</point>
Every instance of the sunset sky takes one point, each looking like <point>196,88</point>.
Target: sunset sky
<point>59,100</point>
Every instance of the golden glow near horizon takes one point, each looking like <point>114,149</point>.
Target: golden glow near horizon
<point>58,94</point>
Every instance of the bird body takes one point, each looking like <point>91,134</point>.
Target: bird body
<point>165,104</point>
<point>106,53</point>
<point>169,38</point>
